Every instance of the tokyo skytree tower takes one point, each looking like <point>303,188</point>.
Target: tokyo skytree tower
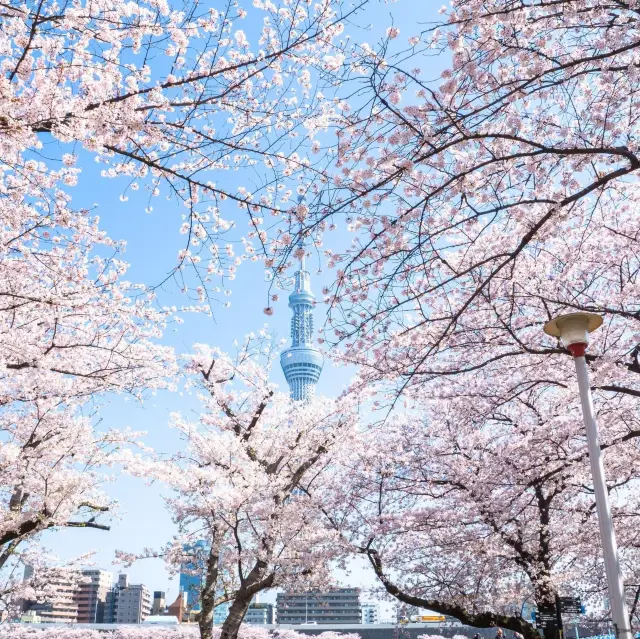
<point>302,362</point>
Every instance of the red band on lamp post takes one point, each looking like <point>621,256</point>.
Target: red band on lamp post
<point>577,350</point>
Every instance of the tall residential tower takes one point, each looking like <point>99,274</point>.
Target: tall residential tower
<point>302,363</point>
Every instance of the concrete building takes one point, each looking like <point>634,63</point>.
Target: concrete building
<point>336,607</point>
<point>370,612</point>
<point>179,608</point>
<point>128,603</point>
<point>158,605</point>
<point>259,614</point>
<point>192,571</point>
<point>302,362</point>
<point>62,605</point>
<point>92,595</point>
<point>31,617</point>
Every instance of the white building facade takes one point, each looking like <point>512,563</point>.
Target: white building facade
<point>370,612</point>
<point>128,603</point>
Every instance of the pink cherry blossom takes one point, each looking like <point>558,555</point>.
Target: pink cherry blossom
<point>221,103</point>
<point>243,481</point>
<point>501,194</point>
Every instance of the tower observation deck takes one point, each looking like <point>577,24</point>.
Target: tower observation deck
<point>302,362</point>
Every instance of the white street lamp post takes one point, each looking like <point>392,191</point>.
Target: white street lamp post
<point>573,330</point>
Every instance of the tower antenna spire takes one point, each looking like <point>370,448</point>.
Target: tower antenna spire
<point>301,236</point>
<point>302,362</point>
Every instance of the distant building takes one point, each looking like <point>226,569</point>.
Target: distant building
<point>192,572</point>
<point>259,613</point>
<point>128,603</point>
<point>370,612</point>
<point>31,617</point>
<point>221,613</point>
<point>158,605</point>
<point>62,605</point>
<point>178,608</point>
<point>337,606</point>
<point>190,584</point>
<point>92,595</point>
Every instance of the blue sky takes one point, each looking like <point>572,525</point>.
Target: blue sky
<point>152,244</point>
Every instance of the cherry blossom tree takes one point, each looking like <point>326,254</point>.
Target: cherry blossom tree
<point>479,497</point>
<point>34,575</point>
<point>163,96</point>
<point>72,330</point>
<point>168,95</point>
<point>242,485</point>
<point>488,200</point>
<point>481,205</point>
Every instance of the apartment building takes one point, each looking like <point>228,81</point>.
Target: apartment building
<point>337,606</point>
<point>91,596</point>
<point>128,603</point>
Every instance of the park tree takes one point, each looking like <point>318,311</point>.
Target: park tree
<point>173,98</point>
<point>72,333</point>
<point>166,97</point>
<point>479,497</point>
<point>482,204</point>
<point>163,96</point>
<point>248,519</point>
<point>486,201</point>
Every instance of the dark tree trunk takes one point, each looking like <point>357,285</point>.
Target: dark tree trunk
<point>208,592</point>
<point>546,597</point>
<point>256,581</point>
<point>236,615</point>
<point>485,619</point>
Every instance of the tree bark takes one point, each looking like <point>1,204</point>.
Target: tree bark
<point>236,615</point>
<point>485,619</point>
<point>208,591</point>
<point>256,581</point>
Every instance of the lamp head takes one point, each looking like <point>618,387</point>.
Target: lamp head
<point>573,329</point>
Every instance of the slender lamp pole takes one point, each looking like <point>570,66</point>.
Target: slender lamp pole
<point>573,329</point>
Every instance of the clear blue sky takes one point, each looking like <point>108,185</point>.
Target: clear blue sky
<point>153,241</point>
